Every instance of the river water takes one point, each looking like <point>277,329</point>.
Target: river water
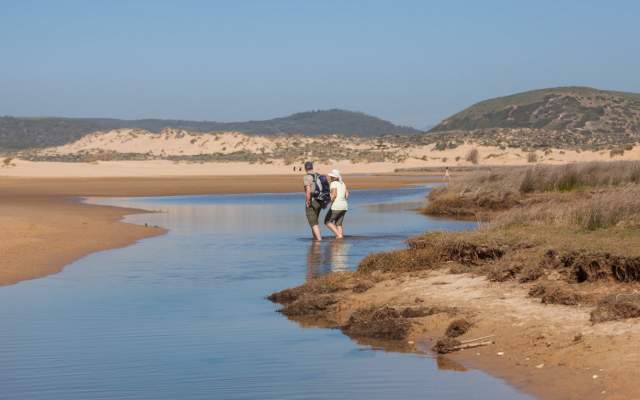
<point>184,315</point>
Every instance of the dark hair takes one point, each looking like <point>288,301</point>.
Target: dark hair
<point>308,166</point>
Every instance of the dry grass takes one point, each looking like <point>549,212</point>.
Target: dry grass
<point>617,306</point>
<point>399,261</point>
<point>473,155</point>
<point>585,211</point>
<point>564,178</point>
<point>616,152</point>
<point>473,193</point>
<point>429,251</point>
<point>588,196</point>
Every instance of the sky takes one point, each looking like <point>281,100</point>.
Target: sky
<point>411,62</point>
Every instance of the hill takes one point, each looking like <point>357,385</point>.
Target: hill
<point>22,133</point>
<point>561,108</point>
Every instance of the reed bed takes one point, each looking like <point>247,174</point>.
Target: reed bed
<point>589,196</point>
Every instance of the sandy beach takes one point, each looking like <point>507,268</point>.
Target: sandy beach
<point>46,226</point>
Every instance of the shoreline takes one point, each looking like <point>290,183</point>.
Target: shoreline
<point>47,226</point>
<point>548,351</point>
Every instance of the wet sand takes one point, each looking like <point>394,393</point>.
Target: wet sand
<point>45,226</point>
<point>42,234</point>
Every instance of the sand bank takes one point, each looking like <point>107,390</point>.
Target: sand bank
<point>41,234</point>
<point>166,168</point>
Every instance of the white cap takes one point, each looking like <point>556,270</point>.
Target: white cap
<point>335,174</point>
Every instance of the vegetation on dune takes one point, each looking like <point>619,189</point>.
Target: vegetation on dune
<point>566,117</point>
<point>473,155</point>
<point>324,149</point>
<point>22,133</point>
<point>554,108</point>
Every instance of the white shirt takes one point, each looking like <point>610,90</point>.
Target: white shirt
<point>340,202</point>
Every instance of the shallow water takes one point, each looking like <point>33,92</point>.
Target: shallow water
<point>183,316</point>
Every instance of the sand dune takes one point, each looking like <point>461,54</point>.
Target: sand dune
<point>172,142</point>
<point>349,154</point>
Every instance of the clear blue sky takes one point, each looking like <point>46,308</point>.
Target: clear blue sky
<point>412,62</point>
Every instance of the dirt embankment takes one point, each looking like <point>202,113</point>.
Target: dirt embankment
<point>553,324</point>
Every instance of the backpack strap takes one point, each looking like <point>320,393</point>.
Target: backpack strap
<point>315,177</point>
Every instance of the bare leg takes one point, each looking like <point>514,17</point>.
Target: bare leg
<point>333,228</point>
<point>339,227</point>
<point>315,231</point>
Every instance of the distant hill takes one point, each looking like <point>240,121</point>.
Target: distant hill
<point>556,109</point>
<point>21,133</point>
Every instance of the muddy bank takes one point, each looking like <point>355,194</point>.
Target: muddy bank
<point>554,323</point>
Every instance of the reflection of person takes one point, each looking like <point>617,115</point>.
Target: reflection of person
<point>313,206</point>
<point>339,204</point>
<point>324,258</point>
<point>314,259</point>
<point>339,255</point>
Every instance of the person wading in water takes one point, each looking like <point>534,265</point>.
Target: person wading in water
<point>316,197</point>
<point>339,205</point>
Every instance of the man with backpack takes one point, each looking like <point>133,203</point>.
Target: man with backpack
<point>317,197</point>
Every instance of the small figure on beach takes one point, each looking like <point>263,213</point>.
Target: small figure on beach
<point>446,174</point>
<point>316,194</point>
<point>339,204</point>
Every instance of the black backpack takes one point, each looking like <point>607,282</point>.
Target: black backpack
<point>321,192</point>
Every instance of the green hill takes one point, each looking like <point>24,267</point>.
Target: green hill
<point>579,109</point>
<point>21,133</point>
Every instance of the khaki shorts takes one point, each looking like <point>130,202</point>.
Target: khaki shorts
<point>313,212</point>
<point>335,216</point>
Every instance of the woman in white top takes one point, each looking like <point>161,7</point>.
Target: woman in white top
<point>339,205</point>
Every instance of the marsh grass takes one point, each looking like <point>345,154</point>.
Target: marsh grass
<point>565,178</point>
<point>587,196</point>
<point>586,211</point>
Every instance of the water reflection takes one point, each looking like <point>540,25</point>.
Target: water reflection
<point>328,256</point>
<point>447,364</point>
<point>339,254</point>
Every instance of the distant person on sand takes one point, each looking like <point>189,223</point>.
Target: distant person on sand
<point>316,196</point>
<point>446,174</point>
<point>339,204</point>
